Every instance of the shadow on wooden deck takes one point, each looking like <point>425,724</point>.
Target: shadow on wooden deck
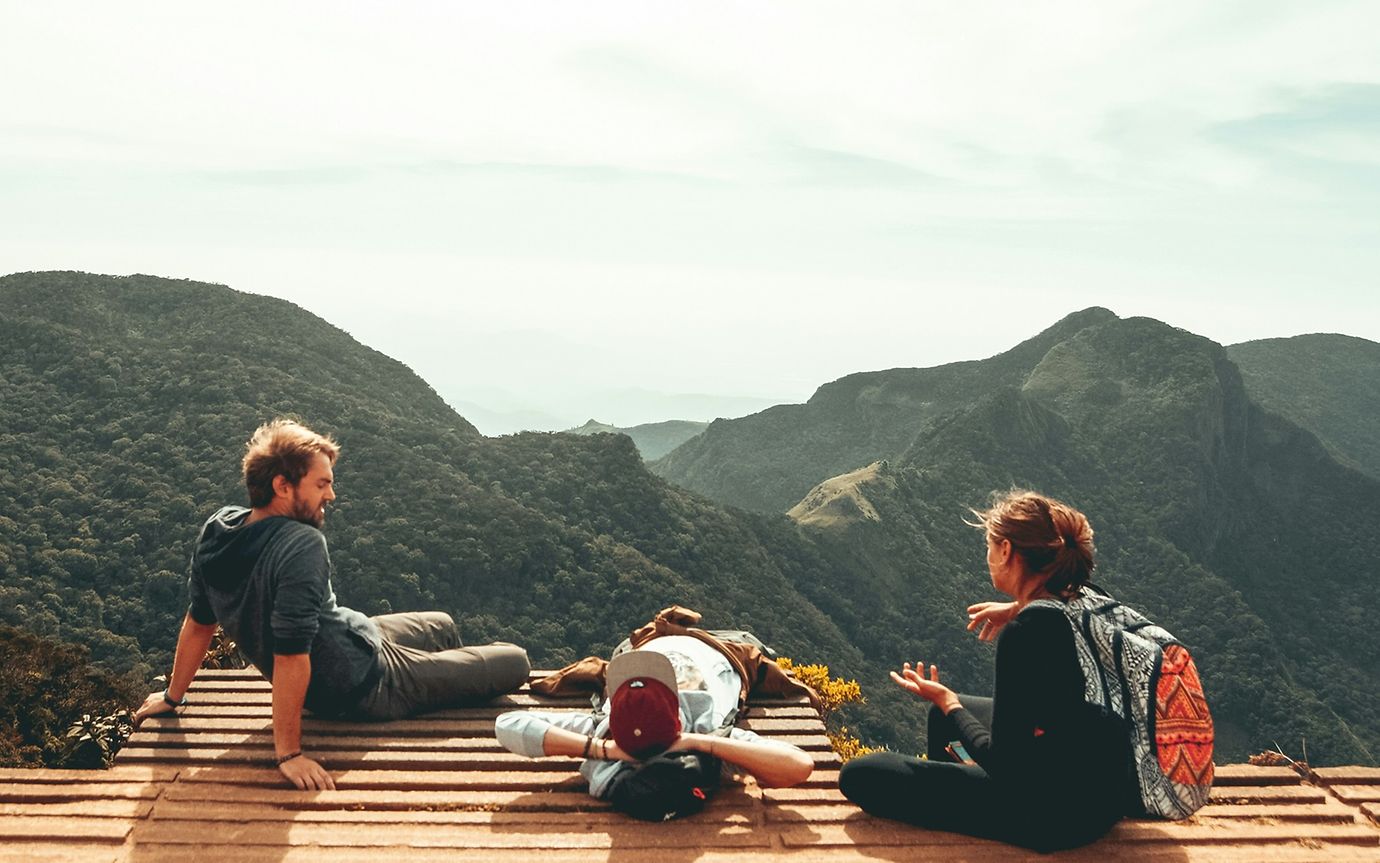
<point>201,787</point>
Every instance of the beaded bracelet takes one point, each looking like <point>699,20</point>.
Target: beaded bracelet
<point>286,758</point>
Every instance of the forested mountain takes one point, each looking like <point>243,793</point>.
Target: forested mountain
<point>766,462</point>
<point>124,404</point>
<point>653,440</point>
<point>1226,521</point>
<point>1327,383</point>
<point>124,407</point>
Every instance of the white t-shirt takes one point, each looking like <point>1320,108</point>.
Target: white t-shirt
<point>699,666</point>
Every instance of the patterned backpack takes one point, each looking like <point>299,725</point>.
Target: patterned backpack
<point>1144,675</point>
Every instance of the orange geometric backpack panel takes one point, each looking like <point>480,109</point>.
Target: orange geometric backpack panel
<point>1183,724</point>
<point>1140,672</point>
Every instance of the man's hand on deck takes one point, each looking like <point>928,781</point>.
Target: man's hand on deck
<point>152,706</point>
<point>306,774</point>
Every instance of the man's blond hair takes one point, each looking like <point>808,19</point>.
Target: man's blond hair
<point>282,447</point>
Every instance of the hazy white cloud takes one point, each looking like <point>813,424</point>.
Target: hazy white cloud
<point>746,199</point>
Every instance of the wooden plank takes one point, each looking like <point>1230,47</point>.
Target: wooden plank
<point>229,798</point>
<point>523,780</point>
<point>826,763</point>
<point>1268,793</point>
<point>1331,812</point>
<point>51,792</point>
<point>804,795</point>
<point>880,833</point>
<point>1249,774</point>
<point>1349,775</point>
<point>339,759</point>
<point>815,813</point>
<point>1371,811</point>
<point>31,827</point>
<point>310,743</point>
<point>1223,830</point>
<point>61,852</point>
<point>253,675</point>
<point>972,853</point>
<point>234,798</point>
<point>787,728</point>
<point>821,779</point>
<point>719,813</point>
<point>630,835</point>
<point>219,695</point>
<point>818,747</point>
<point>323,727</point>
<point>204,709</point>
<point>114,774</point>
<point>877,832</point>
<point>84,808</point>
<point>515,701</point>
<point>1281,852</point>
<point>269,777</point>
<point>1357,793</point>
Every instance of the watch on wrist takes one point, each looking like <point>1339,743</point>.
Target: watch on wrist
<point>168,700</point>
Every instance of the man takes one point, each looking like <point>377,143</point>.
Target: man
<point>263,574</point>
<point>671,692</point>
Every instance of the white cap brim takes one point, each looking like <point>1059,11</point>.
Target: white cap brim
<point>640,663</point>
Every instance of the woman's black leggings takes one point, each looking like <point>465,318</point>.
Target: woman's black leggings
<point>941,794</point>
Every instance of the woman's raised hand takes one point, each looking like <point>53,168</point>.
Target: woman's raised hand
<point>913,680</point>
<point>989,617</point>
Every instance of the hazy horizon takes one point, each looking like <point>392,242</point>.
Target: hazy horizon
<point>542,209</point>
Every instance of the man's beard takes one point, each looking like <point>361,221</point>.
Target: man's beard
<point>307,514</point>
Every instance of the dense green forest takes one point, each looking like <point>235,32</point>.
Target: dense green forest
<point>124,404</point>
<point>1327,383</point>
<point>56,702</point>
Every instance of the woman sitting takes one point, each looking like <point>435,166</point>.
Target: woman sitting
<point>1052,771</point>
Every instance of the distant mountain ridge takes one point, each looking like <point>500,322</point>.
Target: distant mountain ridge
<point>653,440</point>
<point>1327,383</point>
<point>846,424</point>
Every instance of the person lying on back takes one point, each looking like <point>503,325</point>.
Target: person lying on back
<point>674,693</point>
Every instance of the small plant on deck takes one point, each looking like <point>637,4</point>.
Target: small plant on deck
<point>834,692</point>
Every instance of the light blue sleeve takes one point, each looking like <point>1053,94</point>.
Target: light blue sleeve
<point>523,732</point>
<point>754,737</point>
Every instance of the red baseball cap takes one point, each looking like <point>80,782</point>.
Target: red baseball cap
<point>644,711</point>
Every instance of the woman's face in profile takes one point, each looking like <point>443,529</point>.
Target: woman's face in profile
<point>999,564</point>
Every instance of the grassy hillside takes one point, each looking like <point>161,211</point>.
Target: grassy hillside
<point>1326,383</point>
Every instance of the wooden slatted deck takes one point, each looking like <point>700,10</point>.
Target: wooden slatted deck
<point>199,787</point>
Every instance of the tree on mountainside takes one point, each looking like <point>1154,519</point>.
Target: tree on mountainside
<point>45,687</point>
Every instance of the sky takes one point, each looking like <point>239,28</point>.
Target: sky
<point>638,211</point>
